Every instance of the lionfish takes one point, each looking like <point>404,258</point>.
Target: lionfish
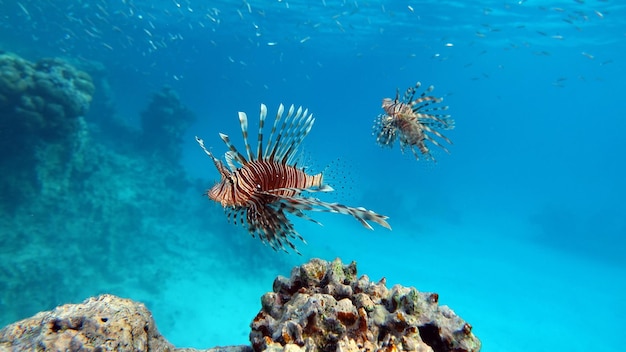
<point>413,121</point>
<point>261,187</point>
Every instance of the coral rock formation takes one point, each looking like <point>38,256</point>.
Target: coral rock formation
<point>41,126</point>
<point>164,123</point>
<point>325,307</point>
<point>105,323</point>
<point>322,307</point>
<point>44,97</point>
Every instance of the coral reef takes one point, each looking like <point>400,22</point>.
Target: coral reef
<point>80,215</point>
<point>164,123</point>
<point>45,97</point>
<point>322,307</point>
<point>41,126</point>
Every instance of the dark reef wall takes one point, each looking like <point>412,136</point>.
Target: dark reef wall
<point>73,212</point>
<point>41,126</point>
<point>163,124</point>
<point>78,217</point>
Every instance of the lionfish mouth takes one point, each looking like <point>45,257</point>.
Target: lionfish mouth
<point>261,187</point>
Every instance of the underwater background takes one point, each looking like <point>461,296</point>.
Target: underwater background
<point>521,229</point>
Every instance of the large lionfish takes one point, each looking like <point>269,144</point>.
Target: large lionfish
<point>413,121</point>
<point>267,183</point>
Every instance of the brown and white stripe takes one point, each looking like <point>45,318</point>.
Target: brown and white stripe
<point>258,188</point>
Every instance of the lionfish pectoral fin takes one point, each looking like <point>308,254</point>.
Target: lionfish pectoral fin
<point>365,214</point>
<point>324,188</point>
<point>272,192</point>
<point>291,207</point>
<point>433,141</point>
<point>269,222</point>
<point>361,214</point>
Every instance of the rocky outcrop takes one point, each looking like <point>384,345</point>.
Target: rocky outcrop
<point>323,306</point>
<point>104,323</point>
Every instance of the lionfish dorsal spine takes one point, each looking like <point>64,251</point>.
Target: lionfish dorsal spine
<point>235,153</point>
<point>300,126</point>
<point>272,144</point>
<point>218,164</point>
<point>427,91</point>
<point>410,92</point>
<point>243,121</point>
<point>305,128</point>
<point>230,160</point>
<point>288,145</point>
<point>280,142</point>
<point>259,146</point>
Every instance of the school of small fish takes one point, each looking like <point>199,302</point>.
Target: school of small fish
<point>141,29</point>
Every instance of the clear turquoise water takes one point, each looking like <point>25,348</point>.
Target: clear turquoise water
<point>521,229</point>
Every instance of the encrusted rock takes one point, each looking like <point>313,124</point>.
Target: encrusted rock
<point>325,307</point>
<point>104,323</point>
<point>307,312</point>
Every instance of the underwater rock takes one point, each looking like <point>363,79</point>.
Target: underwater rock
<point>322,307</point>
<point>104,323</point>
<point>325,307</point>
<point>164,123</point>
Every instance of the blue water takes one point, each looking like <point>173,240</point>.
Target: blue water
<point>521,229</point>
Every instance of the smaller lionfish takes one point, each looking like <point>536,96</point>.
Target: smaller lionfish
<point>266,184</point>
<point>413,121</point>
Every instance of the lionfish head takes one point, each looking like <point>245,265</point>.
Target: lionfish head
<point>387,103</point>
<point>223,191</point>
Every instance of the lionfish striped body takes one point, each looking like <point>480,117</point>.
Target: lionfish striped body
<point>413,121</point>
<point>260,188</point>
